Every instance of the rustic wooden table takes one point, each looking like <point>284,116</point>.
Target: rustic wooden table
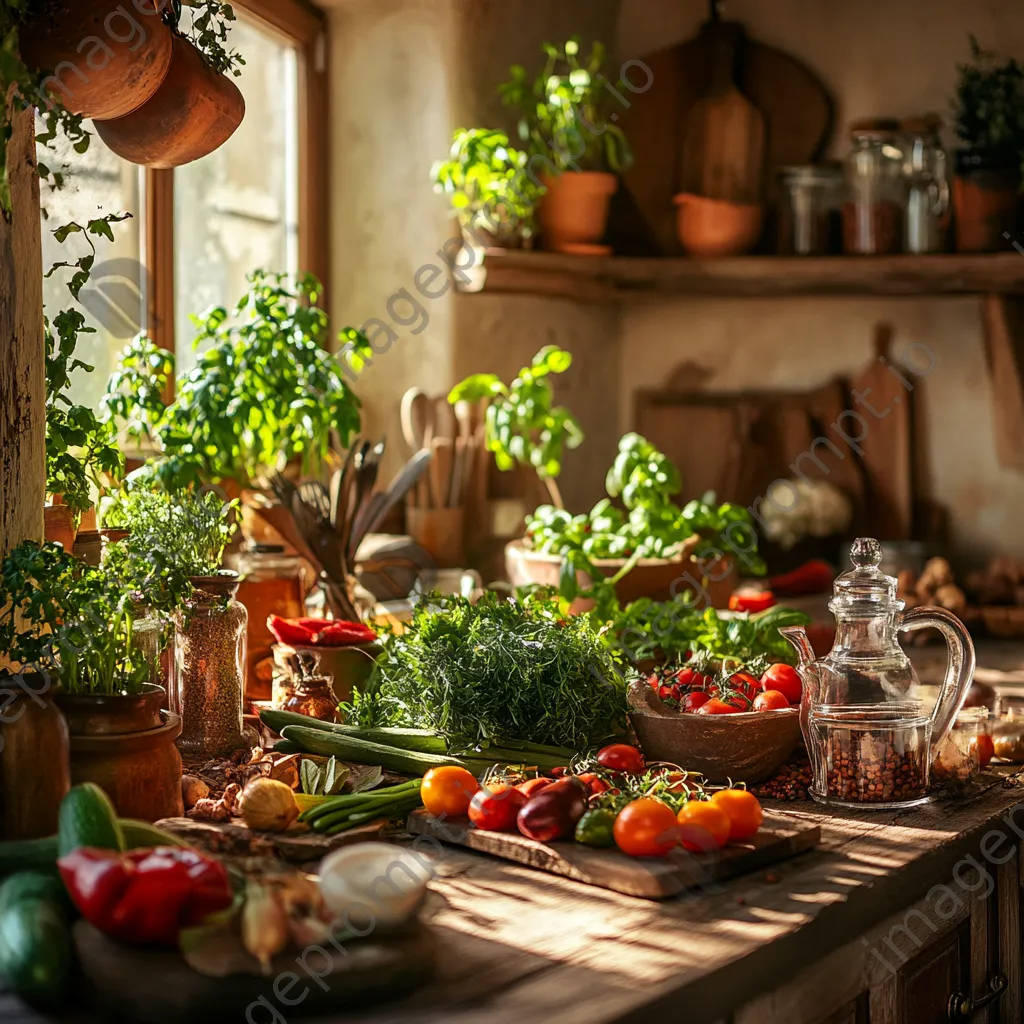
<point>517,945</point>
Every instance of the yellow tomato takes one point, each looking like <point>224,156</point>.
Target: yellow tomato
<point>448,791</point>
<point>743,810</point>
<point>702,826</point>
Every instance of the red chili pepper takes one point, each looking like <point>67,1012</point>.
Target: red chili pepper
<point>145,897</point>
<point>289,631</point>
<point>751,601</point>
<point>813,577</point>
<point>344,634</point>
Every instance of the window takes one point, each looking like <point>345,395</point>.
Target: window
<point>199,230</point>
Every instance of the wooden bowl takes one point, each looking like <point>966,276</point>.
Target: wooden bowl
<point>714,227</point>
<point>746,747</point>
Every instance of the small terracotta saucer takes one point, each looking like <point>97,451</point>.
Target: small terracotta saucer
<point>584,249</point>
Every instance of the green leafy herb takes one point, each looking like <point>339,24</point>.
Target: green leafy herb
<point>496,672</point>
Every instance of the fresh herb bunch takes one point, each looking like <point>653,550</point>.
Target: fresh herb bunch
<point>523,424</point>
<point>497,671</point>
<point>485,181</point>
<point>135,391</point>
<point>265,391</point>
<point>208,30</point>
<point>989,107</point>
<point>564,113</point>
<point>63,617</point>
<point>678,630</point>
<point>173,537</point>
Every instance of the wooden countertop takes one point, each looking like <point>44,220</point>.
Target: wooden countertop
<point>517,945</point>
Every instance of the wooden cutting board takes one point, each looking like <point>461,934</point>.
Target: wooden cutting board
<point>779,839</point>
<point>796,106</point>
<point>722,153</point>
<point>888,443</point>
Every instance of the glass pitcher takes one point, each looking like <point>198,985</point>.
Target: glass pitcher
<point>868,735</point>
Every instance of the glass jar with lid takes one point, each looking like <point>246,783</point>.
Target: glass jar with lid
<point>927,176</point>
<point>876,189</point>
<point>810,208</point>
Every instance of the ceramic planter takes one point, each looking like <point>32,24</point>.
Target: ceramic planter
<point>574,210</point>
<point>194,112</point>
<point>986,197</point>
<point>107,57</point>
<point>59,526</point>
<point>650,577</point>
<point>125,744</point>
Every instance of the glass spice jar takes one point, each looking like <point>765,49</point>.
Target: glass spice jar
<point>957,758</point>
<point>876,190</point>
<point>209,649</point>
<point>810,210</point>
<point>313,696</point>
<point>1008,737</point>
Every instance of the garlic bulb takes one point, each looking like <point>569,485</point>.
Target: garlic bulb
<point>267,805</point>
<point>264,925</point>
<point>372,884</point>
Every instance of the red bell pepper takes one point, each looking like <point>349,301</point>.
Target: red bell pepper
<point>145,897</point>
<point>751,600</point>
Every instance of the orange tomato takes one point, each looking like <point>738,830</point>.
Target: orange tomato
<point>771,700</point>
<point>742,809</point>
<point>646,828</point>
<point>448,791</point>
<point>703,827</point>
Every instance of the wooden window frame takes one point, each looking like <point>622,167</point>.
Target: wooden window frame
<point>305,27</point>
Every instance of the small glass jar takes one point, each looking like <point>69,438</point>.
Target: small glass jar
<point>876,190</point>
<point>958,758</point>
<point>313,696</point>
<point>209,654</point>
<point>927,186</point>
<point>1008,737</point>
<point>150,635</point>
<point>810,210</point>
<point>273,582</point>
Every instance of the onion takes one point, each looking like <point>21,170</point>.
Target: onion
<point>372,884</point>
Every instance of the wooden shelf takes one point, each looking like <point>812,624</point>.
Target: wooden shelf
<point>612,279</point>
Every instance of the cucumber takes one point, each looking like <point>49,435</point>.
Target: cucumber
<point>350,748</point>
<point>87,818</point>
<point>140,834</point>
<point>419,740</point>
<point>27,854</point>
<point>35,943</point>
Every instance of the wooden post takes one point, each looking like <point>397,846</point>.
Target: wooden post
<point>22,351</point>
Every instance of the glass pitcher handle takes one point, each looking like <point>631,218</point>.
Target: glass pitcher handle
<point>959,669</point>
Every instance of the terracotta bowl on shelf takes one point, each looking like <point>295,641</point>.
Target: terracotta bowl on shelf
<point>714,227</point>
<point>746,747</point>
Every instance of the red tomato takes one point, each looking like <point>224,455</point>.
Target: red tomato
<point>531,786</point>
<point>665,692</point>
<point>986,749</point>
<point>496,807</point>
<point>771,700</point>
<point>654,680</point>
<point>646,828</point>
<point>785,679</point>
<point>686,677</point>
<point>751,600</point>
<point>745,683</point>
<point>703,827</point>
<point>594,783</point>
<point>695,699</point>
<point>717,707</point>
<point>621,757</point>
<point>743,810</point>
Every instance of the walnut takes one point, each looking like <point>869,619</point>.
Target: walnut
<point>952,598</point>
<point>937,573</point>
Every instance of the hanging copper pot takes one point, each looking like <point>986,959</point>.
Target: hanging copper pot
<point>194,112</point>
<point>105,57</point>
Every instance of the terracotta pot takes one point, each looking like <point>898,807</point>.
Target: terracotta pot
<point>574,210</point>
<point>650,577</point>
<point>126,746</point>
<point>715,227</point>
<point>194,112</point>
<point>986,197</point>
<point>108,57</point>
<point>59,526</point>
<point>440,531</point>
<point>89,546</point>
<point>746,747</point>
<point>34,767</point>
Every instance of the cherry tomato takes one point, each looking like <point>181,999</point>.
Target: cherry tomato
<point>654,680</point>
<point>703,827</point>
<point>695,699</point>
<point>785,679</point>
<point>594,783</point>
<point>771,700</point>
<point>646,828</point>
<point>686,677</point>
<point>665,692</point>
<point>745,683</point>
<point>986,749</point>
<point>621,757</point>
<point>531,786</point>
<point>743,810</point>
<point>751,600</point>
<point>676,782</point>
<point>496,807</point>
<point>717,707</point>
<point>448,791</point>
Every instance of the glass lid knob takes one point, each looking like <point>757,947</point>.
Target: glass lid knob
<point>866,553</point>
<point>865,582</point>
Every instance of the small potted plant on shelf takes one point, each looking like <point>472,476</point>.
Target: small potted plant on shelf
<point>989,107</point>
<point>565,120</point>
<point>74,625</point>
<point>490,192</point>
<point>648,547</point>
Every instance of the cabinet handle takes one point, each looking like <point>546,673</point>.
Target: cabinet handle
<point>963,1007</point>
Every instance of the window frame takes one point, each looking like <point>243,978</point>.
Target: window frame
<point>305,27</point>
